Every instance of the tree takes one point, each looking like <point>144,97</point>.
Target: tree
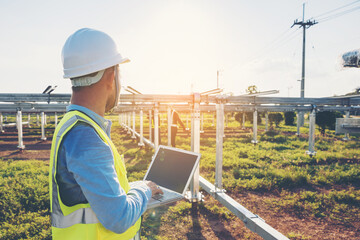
<point>289,118</point>
<point>252,89</point>
<point>327,120</point>
<point>275,118</point>
<point>356,92</point>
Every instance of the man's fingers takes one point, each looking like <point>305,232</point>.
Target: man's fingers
<point>154,188</point>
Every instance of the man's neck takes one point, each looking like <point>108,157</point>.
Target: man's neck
<point>92,103</point>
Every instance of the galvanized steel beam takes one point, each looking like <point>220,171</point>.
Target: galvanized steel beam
<point>141,143</point>
<point>19,128</point>
<point>251,221</point>
<point>219,145</point>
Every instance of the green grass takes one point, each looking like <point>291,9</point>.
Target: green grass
<point>24,200</point>
<point>336,205</point>
<point>325,186</point>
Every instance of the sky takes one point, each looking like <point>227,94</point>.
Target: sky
<point>177,47</point>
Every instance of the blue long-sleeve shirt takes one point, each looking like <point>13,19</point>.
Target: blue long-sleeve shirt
<point>86,173</point>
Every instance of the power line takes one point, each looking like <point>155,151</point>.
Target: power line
<point>279,41</point>
<point>339,14</point>
<point>349,4</point>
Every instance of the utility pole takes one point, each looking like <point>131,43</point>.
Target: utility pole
<point>304,25</point>
<point>218,73</point>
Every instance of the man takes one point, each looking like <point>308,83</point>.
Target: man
<point>152,123</point>
<point>175,120</point>
<point>89,192</point>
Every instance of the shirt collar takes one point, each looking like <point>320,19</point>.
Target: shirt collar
<point>102,122</point>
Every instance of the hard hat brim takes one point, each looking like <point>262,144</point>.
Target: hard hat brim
<point>94,67</point>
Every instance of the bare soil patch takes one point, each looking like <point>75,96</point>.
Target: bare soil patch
<point>35,148</point>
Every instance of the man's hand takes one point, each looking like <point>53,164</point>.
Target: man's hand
<point>154,188</point>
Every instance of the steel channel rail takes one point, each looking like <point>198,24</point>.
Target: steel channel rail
<point>251,221</point>
<point>131,98</point>
<point>233,108</point>
<point>32,107</point>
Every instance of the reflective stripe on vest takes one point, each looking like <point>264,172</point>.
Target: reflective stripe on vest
<point>63,217</point>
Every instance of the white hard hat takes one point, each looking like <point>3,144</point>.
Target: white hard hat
<point>88,51</point>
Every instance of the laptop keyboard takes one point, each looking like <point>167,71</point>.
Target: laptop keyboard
<point>158,196</point>
<point>168,194</point>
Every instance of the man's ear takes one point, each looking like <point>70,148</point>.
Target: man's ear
<point>109,76</point>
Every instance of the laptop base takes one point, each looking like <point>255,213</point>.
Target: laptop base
<point>169,196</point>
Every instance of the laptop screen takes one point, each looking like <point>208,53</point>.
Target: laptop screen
<point>172,168</point>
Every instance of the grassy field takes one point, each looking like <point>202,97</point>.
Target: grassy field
<point>323,188</point>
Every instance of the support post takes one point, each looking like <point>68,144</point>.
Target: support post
<point>226,120</point>
<point>202,123</point>
<point>219,146</point>
<point>1,123</point>
<point>129,123</point>
<point>156,126</point>
<point>312,117</point>
<point>43,138</point>
<point>133,125</point>
<point>195,195</point>
<point>56,119</point>
<point>20,132</point>
<point>126,119</point>
<point>45,119</point>
<point>17,121</point>
<point>169,122</point>
<point>255,141</point>
<point>150,126</point>
<point>37,120</point>
<point>141,143</point>
<point>347,135</point>
<point>243,121</point>
<point>298,123</point>
<point>266,121</point>
<point>192,129</point>
<point>301,118</point>
<point>29,120</point>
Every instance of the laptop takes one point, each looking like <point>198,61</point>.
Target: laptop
<point>172,170</point>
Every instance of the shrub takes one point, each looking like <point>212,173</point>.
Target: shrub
<point>249,116</point>
<point>326,120</point>
<point>289,118</point>
<point>275,118</point>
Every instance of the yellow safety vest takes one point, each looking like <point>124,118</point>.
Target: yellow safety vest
<point>79,221</point>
